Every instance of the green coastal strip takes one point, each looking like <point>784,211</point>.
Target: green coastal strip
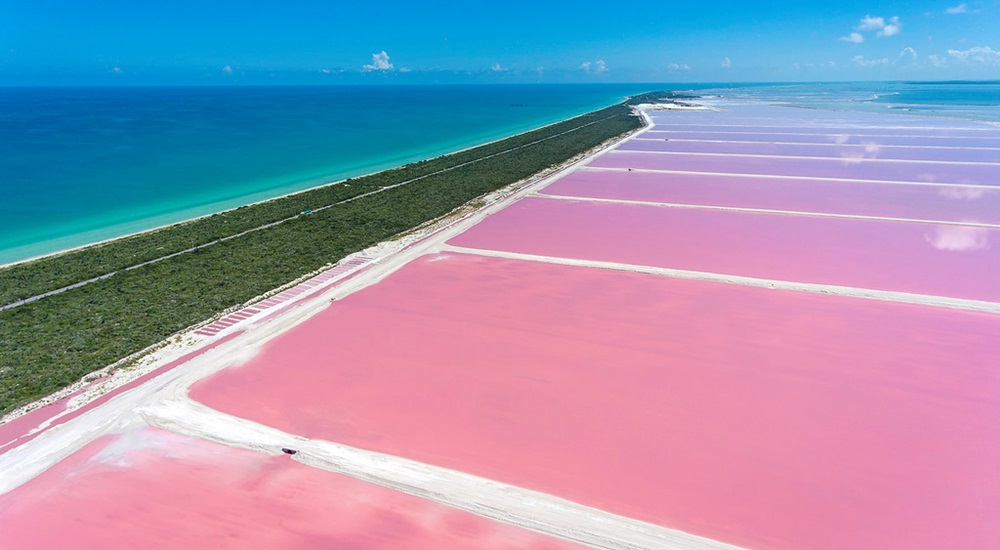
<point>52,342</point>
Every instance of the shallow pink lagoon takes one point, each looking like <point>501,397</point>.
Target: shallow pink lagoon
<point>871,149</point>
<point>789,123</point>
<point>155,489</point>
<point>779,118</point>
<point>758,417</point>
<point>936,203</point>
<point>854,169</point>
<point>939,260</point>
<point>823,136</point>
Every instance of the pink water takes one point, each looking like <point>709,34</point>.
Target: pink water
<point>787,124</point>
<point>952,203</point>
<point>764,418</point>
<point>871,149</point>
<point>155,489</point>
<point>861,169</point>
<point>778,118</point>
<point>822,136</point>
<point>939,260</point>
<point>13,433</point>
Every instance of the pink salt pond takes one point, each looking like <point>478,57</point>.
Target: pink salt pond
<point>870,149</point>
<point>938,260</point>
<point>872,125</point>
<point>829,168</point>
<point>155,489</point>
<point>763,418</point>
<point>822,136</point>
<point>918,202</point>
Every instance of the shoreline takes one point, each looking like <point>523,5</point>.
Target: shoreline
<point>324,182</point>
<point>221,206</point>
<point>98,385</point>
<point>452,186</point>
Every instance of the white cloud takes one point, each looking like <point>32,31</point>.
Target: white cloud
<point>869,23</point>
<point>117,70</point>
<point>955,10</point>
<point>227,69</point>
<point>959,239</point>
<point>406,70</point>
<point>674,67</point>
<point>853,38</point>
<point>979,54</point>
<point>936,61</point>
<point>380,62</point>
<point>726,63</point>
<point>498,69</point>
<point>596,67</point>
<point>891,28</point>
<point>958,192</point>
<point>860,61</point>
<point>908,53</point>
<point>878,25</point>
<point>854,155</point>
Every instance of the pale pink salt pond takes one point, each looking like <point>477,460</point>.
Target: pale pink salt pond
<point>779,118</point>
<point>939,260</point>
<point>759,417</point>
<point>789,124</point>
<point>155,489</point>
<point>921,202</point>
<point>855,169</point>
<point>822,136</point>
<point>872,149</point>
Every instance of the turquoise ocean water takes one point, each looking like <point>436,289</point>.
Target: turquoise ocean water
<point>79,165</point>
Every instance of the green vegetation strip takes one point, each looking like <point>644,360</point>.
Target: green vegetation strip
<point>26,300</point>
<point>51,343</point>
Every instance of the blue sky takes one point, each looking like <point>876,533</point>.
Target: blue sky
<point>220,42</point>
